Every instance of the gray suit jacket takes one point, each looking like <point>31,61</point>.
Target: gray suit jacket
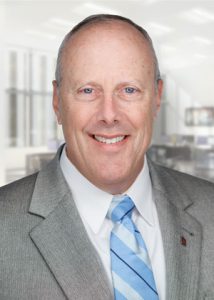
<point>45,253</point>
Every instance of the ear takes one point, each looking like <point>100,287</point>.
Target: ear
<point>56,101</point>
<point>158,95</point>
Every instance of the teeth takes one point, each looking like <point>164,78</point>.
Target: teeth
<point>109,141</point>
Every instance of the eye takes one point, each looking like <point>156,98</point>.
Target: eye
<point>130,90</point>
<point>87,90</point>
<point>87,93</point>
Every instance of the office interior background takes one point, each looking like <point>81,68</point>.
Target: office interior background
<point>183,36</point>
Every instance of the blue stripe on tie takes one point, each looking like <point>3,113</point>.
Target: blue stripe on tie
<point>129,239</point>
<point>140,239</point>
<point>128,224</point>
<point>124,289</point>
<point>136,245</point>
<point>118,212</point>
<point>129,276</point>
<point>132,228</point>
<point>118,295</point>
<point>127,255</point>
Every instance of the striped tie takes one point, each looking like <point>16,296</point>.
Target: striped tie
<point>131,269</point>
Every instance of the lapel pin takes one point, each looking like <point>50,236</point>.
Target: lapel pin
<point>183,241</point>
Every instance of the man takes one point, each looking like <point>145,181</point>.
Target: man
<point>56,233</point>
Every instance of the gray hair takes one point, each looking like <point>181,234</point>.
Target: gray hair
<point>101,18</point>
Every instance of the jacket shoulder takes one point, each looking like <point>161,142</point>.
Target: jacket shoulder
<point>194,187</point>
<point>16,195</point>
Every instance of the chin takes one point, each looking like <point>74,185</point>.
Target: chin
<point>113,184</point>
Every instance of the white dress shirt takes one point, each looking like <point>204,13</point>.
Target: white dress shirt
<point>93,204</point>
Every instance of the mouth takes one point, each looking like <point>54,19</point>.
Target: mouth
<point>110,140</point>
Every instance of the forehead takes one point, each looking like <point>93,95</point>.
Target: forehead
<point>115,47</point>
<point>110,36</point>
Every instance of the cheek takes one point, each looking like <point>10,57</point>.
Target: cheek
<point>69,121</point>
<point>143,123</point>
<point>143,117</point>
<point>76,118</point>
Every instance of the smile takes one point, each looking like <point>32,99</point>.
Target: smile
<point>105,140</point>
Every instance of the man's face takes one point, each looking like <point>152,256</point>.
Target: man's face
<point>106,103</point>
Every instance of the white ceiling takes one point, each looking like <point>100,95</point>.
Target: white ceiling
<point>182,31</point>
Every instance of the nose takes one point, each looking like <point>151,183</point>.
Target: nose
<point>108,110</point>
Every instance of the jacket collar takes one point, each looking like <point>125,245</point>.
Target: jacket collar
<point>50,188</point>
<point>181,233</point>
<point>62,240</point>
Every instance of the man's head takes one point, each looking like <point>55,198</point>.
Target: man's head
<point>106,95</point>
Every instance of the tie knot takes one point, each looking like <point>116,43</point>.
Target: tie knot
<point>120,207</point>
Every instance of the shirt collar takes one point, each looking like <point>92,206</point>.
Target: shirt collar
<point>141,194</point>
<point>93,203</point>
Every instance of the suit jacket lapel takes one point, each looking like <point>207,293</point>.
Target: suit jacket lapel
<point>62,241</point>
<point>182,236</point>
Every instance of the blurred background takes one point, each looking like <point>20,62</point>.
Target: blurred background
<point>183,36</point>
